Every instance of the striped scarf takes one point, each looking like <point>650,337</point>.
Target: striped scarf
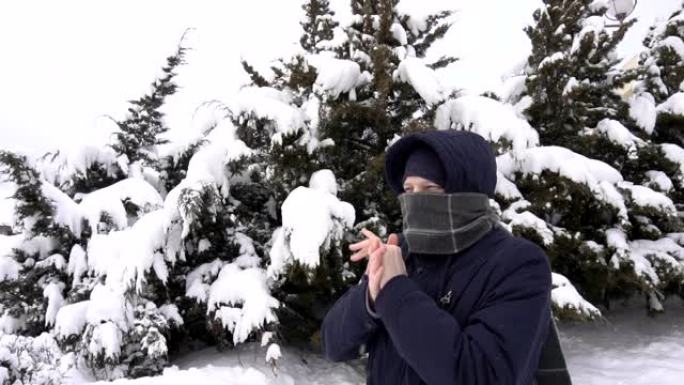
<point>440,223</point>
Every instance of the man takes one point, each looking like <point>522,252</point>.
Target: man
<point>455,299</point>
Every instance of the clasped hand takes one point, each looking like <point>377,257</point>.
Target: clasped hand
<point>384,260</point>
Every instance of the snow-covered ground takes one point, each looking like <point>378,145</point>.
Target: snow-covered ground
<point>245,366</point>
<point>628,349</point>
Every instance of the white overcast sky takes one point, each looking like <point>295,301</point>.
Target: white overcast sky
<point>67,64</point>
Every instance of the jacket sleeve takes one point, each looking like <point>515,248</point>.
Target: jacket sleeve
<point>348,324</point>
<point>500,342</point>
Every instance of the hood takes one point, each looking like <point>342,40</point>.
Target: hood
<point>468,160</point>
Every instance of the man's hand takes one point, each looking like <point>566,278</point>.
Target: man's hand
<point>386,262</point>
<point>366,247</point>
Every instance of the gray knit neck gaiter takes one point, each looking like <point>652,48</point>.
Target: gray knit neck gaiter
<point>439,223</point>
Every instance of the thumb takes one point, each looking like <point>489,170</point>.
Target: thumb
<point>393,239</point>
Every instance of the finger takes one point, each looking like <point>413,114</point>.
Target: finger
<point>375,243</point>
<point>359,245</point>
<point>358,256</point>
<point>369,234</point>
<point>393,239</point>
<point>374,279</point>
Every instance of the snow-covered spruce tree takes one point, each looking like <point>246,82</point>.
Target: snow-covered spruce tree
<point>33,279</point>
<point>335,106</point>
<point>318,25</point>
<point>584,195</point>
<point>118,315</point>
<point>657,102</point>
<point>140,132</point>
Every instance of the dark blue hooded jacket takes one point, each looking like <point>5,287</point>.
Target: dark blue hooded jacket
<point>479,316</point>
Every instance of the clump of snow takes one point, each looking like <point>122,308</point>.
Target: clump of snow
<point>648,256</point>
<point>487,117</point>
<point>241,300</point>
<point>273,353</point>
<point>422,78</point>
<point>208,164</point>
<point>7,204</point>
<point>125,256</point>
<point>514,216</point>
<point>324,180</point>
<point>599,177</point>
<point>60,166</point>
<point>39,244</point>
<point>106,340</point>
<point>107,305</point>
<point>266,338</point>
<point>659,180</point>
<point>673,105</point>
<point>269,103</point>
<point>646,197</point>
<point>203,245</point>
<point>556,56</point>
<point>196,285</point>
<point>312,220</point>
<point>53,293</point>
<point>311,137</point>
<point>528,220</point>
<point>565,296</point>
<point>111,200</point>
<point>677,237</point>
<point>71,319</point>
<point>9,267</point>
<point>55,261</point>
<point>336,76</point>
<point>399,33</point>
<point>570,86</point>
<point>171,313</point>
<point>591,25</point>
<point>642,109</point>
<point>248,256</point>
<point>66,212</point>
<point>618,134</point>
<point>506,188</point>
<point>674,43</point>
<point>598,5</point>
<point>617,239</point>
<point>674,153</point>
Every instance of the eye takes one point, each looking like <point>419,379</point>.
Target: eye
<point>408,188</point>
<point>434,187</point>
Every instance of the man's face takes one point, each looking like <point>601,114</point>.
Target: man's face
<point>416,184</point>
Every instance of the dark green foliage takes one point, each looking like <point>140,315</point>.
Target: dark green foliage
<point>562,202</point>
<point>141,131</point>
<point>23,297</point>
<point>570,78</point>
<point>318,24</point>
<point>361,125</point>
<point>30,199</point>
<point>663,72</point>
<point>174,168</point>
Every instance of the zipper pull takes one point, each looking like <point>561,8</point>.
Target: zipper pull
<point>446,299</point>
